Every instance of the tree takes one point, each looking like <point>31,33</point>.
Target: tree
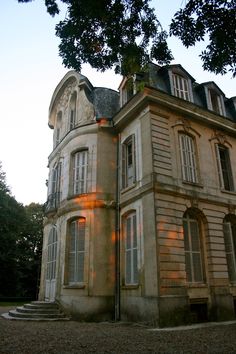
<point>29,251</point>
<point>21,234</point>
<point>215,18</point>
<point>11,218</point>
<point>126,34</point>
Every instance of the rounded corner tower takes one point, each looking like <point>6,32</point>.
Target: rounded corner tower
<point>77,262</point>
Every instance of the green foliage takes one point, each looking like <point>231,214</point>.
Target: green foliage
<point>20,244</point>
<point>126,34</point>
<point>217,20</point>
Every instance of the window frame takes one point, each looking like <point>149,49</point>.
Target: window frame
<point>131,249</point>
<point>188,157</point>
<point>51,254</point>
<point>79,170</point>
<point>224,172</point>
<point>193,269</point>
<point>79,252</point>
<point>215,101</point>
<point>229,231</point>
<point>181,86</point>
<point>128,164</point>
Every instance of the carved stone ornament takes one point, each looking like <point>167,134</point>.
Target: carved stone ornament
<point>231,208</point>
<point>65,97</point>
<point>220,137</point>
<point>194,202</point>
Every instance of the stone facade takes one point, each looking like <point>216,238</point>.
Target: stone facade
<point>140,219</point>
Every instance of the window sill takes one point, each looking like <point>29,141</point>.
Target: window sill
<point>75,286</point>
<point>194,184</point>
<point>197,285</point>
<point>126,189</point>
<point>130,287</point>
<point>73,196</point>
<point>228,192</point>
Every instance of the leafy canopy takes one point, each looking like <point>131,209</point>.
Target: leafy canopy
<point>126,34</point>
<point>215,18</point>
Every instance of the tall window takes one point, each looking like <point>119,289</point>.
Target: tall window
<point>57,136</point>
<point>224,168</point>
<point>193,250</point>
<point>72,111</point>
<point>181,87</point>
<point>52,254</point>
<point>76,251</point>
<point>215,101</point>
<point>188,158</point>
<point>131,249</point>
<point>229,229</point>
<point>54,196</point>
<point>80,172</point>
<point>128,162</point>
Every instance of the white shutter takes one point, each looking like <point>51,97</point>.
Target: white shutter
<point>188,158</point>
<point>80,172</point>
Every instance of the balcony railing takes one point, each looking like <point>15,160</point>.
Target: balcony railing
<point>53,202</point>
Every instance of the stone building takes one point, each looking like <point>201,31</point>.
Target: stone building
<point>140,218</point>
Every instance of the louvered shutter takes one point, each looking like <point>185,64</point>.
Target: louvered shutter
<point>72,252</point>
<point>123,166</point>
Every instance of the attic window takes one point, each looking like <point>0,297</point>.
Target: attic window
<point>215,103</point>
<point>181,86</point>
<point>127,91</point>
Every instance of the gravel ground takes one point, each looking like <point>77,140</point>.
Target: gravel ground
<point>69,337</point>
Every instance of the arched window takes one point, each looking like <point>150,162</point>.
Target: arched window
<point>76,251</point>
<point>193,248</point>
<point>131,248</point>
<point>229,228</point>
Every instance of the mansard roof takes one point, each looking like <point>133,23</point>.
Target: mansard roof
<point>105,102</point>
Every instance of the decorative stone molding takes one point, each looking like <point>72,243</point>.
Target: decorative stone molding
<point>185,124</point>
<point>220,137</point>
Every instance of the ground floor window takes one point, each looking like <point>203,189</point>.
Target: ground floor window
<point>76,251</point>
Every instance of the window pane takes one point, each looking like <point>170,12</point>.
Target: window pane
<point>197,267</point>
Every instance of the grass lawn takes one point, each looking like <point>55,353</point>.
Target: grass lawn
<point>7,304</point>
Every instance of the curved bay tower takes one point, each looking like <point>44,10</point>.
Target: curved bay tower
<point>140,220</point>
<point>78,267</point>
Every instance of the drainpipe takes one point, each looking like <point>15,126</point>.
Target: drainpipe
<point>117,237</point>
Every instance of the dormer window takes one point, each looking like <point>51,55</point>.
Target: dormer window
<point>215,101</point>
<point>127,91</point>
<point>181,87</point>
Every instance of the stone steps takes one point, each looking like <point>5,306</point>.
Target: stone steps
<point>37,311</point>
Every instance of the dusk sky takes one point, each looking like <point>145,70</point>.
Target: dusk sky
<point>30,69</point>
